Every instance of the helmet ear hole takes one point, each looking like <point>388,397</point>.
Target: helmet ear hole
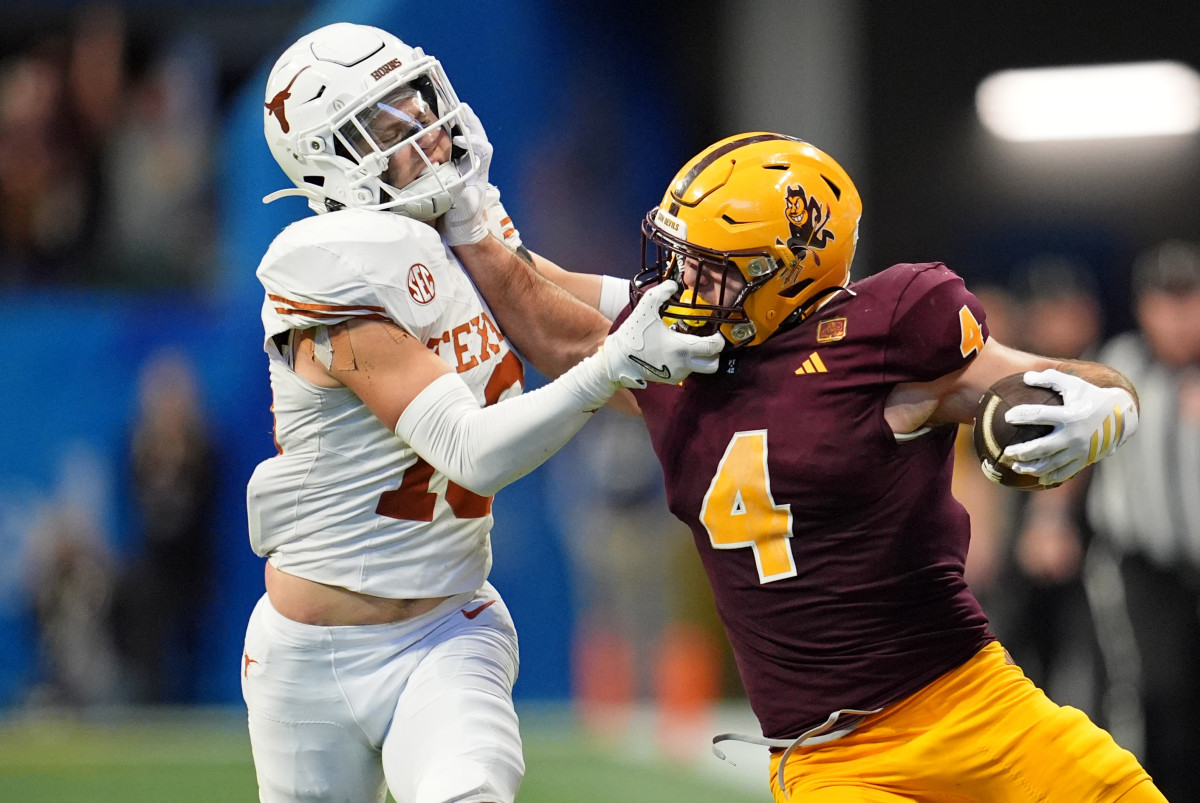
<point>796,289</point>
<point>341,150</point>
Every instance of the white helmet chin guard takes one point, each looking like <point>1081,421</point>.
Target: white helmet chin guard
<point>342,101</point>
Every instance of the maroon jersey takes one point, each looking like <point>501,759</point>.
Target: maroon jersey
<point>835,551</point>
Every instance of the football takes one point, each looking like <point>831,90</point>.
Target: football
<point>992,433</point>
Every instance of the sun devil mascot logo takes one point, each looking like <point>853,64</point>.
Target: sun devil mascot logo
<point>807,220</point>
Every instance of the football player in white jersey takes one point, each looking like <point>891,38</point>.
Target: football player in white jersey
<point>380,658</point>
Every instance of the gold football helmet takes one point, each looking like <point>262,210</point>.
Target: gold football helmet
<point>758,229</point>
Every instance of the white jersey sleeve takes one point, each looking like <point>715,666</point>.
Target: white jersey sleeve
<point>346,501</point>
<point>354,264</point>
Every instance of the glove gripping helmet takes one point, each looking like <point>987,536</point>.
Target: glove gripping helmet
<point>772,220</point>
<point>334,116</point>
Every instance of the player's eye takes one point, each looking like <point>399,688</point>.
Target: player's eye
<point>390,135</point>
<point>397,128</point>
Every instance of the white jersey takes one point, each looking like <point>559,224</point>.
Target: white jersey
<point>347,502</point>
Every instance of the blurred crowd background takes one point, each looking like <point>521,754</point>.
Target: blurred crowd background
<point>131,171</point>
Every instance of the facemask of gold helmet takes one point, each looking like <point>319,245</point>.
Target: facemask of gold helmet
<point>758,229</point>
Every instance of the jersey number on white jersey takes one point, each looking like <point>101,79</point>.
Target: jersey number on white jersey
<point>413,501</point>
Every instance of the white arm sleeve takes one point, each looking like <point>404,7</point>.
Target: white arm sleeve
<point>614,296</point>
<point>485,448</point>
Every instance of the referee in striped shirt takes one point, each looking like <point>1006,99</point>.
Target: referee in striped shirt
<point>1143,506</point>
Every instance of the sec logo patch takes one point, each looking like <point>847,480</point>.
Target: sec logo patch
<point>420,284</point>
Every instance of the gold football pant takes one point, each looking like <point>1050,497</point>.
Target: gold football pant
<point>980,732</point>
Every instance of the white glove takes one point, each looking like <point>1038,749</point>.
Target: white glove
<point>1091,423</point>
<point>498,221</point>
<point>644,349</point>
<point>466,221</point>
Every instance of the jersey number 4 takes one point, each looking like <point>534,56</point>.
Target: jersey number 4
<point>972,333</point>
<point>413,501</point>
<point>739,511</point>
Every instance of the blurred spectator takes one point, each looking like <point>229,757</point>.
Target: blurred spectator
<point>1144,508</point>
<point>70,579</point>
<point>164,589</point>
<point>157,197</point>
<point>46,193</point>
<point>97,74</point>
<point>105,174</point>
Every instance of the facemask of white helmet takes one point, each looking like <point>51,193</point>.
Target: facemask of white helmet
<point>391,149</point>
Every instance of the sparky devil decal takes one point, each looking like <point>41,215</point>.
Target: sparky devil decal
<point>807,220</point>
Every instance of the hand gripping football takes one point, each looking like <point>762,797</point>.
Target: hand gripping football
<point>992,433</point>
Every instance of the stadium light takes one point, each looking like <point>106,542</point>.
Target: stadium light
<point>1093,102</point>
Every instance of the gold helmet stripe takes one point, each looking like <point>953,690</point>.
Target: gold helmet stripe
<point>682,185</point>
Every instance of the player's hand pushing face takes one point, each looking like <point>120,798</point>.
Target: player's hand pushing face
<point>644,349</point>
<point>466,223</point>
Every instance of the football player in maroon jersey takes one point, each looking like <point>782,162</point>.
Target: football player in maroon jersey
<point>814,470</point>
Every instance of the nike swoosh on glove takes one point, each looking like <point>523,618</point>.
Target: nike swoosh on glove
<point>465,222</point>
<point>1091,423</point>
<point>644,349</point>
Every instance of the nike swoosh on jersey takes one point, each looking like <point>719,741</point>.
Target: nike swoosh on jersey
<point>471,614</point>
<point>662,372</point>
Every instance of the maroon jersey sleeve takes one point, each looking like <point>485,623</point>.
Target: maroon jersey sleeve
<point>938,326</point>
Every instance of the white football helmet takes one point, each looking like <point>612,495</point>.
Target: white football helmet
<point>342,101</point>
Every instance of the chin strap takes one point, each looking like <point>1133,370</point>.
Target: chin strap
<point>430,186</point>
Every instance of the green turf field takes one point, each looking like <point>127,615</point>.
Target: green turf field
<point>204,757</point>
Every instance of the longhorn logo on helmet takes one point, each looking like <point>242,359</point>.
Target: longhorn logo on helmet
<point>275,105</point>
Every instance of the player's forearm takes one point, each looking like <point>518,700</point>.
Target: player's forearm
<point>584,286</point>
<point>485,448</point>
<point>552,328</point>
<point>608,294</point>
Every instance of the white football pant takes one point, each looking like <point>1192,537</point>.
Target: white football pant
<point>422,708</point>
